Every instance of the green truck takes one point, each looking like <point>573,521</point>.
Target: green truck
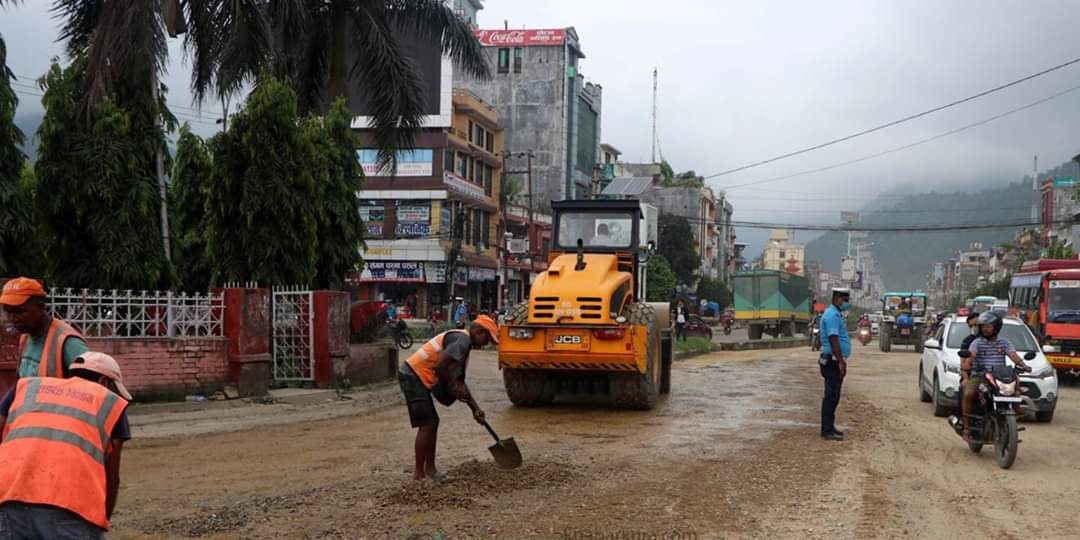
<point>772,302</point>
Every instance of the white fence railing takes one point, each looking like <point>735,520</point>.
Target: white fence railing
<point>139,314</point>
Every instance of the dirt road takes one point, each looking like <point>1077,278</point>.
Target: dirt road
<point>733,452</point>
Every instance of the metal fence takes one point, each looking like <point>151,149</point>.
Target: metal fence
<point>139,314</point>
<point>293,334</point>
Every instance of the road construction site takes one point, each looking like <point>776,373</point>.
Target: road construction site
<point>732,452</point>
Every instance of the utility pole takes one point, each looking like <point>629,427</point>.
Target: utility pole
<point>160,166</point>
<point>457,233</point>
<point>654,76</point>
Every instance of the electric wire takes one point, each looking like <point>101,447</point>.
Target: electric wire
<point>896,122</point>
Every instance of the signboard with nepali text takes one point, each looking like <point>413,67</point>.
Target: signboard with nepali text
<point>393,271</point>
<point>505,38</point>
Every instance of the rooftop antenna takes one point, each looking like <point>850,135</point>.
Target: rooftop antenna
<point>506,24</point>
<point>654,73</point>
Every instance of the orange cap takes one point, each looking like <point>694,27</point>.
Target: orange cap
<point>102,364</point>
<point>489,324</point>
<point>17,291</point>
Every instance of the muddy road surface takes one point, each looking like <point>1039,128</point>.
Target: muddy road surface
<point>734,452</point>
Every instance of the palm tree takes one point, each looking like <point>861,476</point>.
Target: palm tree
<point>324,48</point>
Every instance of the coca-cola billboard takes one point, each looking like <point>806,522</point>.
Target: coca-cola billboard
<point>518,38</point>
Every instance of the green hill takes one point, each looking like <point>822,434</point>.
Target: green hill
<point>905,258</point>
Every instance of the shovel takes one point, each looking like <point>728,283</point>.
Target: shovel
<point>505,451</point>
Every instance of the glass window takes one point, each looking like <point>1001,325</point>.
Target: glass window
<point>489,144</point>
<point>470,134</point>
<point>472,170</point>
<point>1063,302</point>
<point>448,160</point>
<point>595,229</point>
<point>462,165</point>
<point>518,53</point>
<point>485,233</point>
<point>479,136</point>
<point>477,223</point>
<point>782,255</point>
<point>504,60</point>
<point>1017,334</point>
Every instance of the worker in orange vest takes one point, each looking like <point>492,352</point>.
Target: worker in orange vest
<point>438,370</point>
<point>48,345</point>
<point>60,452</point>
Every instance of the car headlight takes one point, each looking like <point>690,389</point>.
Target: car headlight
<point>521,333</point>
<point>1047,371</point>
<point>951,368</point>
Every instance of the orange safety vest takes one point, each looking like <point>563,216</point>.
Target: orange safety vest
<point>52,352</point>
<point>423,361</point>
<point>55,442</point>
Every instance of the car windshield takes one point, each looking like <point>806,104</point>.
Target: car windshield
<point>1063,302</point>
<point>1017,334</point>
<point>595,229</point>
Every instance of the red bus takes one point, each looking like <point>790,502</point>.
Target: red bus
<point>1046,295</point>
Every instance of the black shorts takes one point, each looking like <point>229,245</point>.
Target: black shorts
<point>417,399</point>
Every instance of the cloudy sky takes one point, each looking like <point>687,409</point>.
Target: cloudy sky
<point>744,81</point>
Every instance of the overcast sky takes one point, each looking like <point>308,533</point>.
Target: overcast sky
<point>743,81</point>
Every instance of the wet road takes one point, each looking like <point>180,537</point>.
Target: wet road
<point>733,452</point>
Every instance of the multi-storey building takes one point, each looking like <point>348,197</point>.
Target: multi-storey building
<point>781,254</point>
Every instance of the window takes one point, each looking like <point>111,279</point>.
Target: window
<point>518,53</point>
<point>472,170</point>
<point>477,223</point>
<point>595,229</point>
<point>782,255</point>
<point>466,226</point>
<point>488,174</point>
<point>504,60</point>
<point>470,135</point>
<point>448,160</point>
<point>462,165</point>
<point>485,228</point>
<point>489,144</point>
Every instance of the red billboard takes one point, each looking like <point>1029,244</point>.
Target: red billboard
<point>503,38</point>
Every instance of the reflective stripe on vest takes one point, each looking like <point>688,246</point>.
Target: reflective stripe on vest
<point>55,444</point>
<point>51,362</point>
<point>423,361</point>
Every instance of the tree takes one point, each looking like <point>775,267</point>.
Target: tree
<point>715,290</point>
<point>18,235</point>
<point>97,191</point>
<point>188,193</point>
<point>260,223</point>
<point>337,179</point>
<point>677,246</point>
<point>659,280</point>
<point>325,49</point>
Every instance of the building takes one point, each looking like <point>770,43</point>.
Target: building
<point>433,229</point>
<point>527,241</point>
<point>1058,206</point>
<point>700,209</point>
<point>781,254</point>
<point>545,106</point>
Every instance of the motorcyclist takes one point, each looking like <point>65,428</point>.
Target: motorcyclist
<point>988,351</point>
<point>864,321</point>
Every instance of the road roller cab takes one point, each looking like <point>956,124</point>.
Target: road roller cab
<point>586,327</point>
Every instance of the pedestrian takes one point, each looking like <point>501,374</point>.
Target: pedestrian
<point>437,371</point>
<point>680,321</point>
<point>835,350</point>
<point>461,314</point>
<point>47,345</point>
<point>60,455</point>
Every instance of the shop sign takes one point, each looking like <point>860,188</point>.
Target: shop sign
<point>414,214</point>
<point>435,272</point>
<point>461,275</point>
<point>503,38</point>
<point>464,187</point>
<point>412,229</point>
<point>373,214</point>
<point>481,274</point>
<point>392,271</point>
<point>414,163</point>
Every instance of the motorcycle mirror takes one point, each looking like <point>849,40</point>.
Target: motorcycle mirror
<point>964,353</point>
<point>1029,356</point>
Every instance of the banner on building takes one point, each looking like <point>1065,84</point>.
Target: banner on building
<point>418,162</point>
<point>847,269</point>
<point>435,272</point>
<point>857,285</point>
<point>503,38</point>
<point>373,215</point>
<point>392,271</point>
<point>481,274</point>
<point>413,220</point>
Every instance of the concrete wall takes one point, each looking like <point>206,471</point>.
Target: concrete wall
<point>532,111</point>
<point>164,368</point>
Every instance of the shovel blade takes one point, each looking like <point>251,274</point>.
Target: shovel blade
<point>506,454</point>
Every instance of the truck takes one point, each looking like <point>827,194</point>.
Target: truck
<point>903,320</point>
<point>772,302</point>
<point>586,327</point>
<point>1045,294</point>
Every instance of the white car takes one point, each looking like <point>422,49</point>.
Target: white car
<point>939,368</point>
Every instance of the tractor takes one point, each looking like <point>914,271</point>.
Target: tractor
<point>903,320</point>
<point>586,327</point>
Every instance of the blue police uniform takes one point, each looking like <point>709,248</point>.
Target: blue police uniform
<point>832,324</point>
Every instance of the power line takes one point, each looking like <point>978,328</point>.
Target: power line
<point>894,228</point>
<point>214,115</point>
<point>895,122</point>
<point>907,146</point>
<point>944,211</point>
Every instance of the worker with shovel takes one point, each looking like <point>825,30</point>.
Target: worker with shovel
<point>438,370</point>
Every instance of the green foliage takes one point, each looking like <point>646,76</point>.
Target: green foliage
<point>714,290</point>
<point>693,344</point>
<point>18,238</point>
<point>1058,250</point>
<point>336,206</point>
<point>260,223</point>
<point>659,280</point>
<point>667,174</point>
<point>998,289</point>
<point>677,246</point>
<point>187,211</point>
<point>97,191</point>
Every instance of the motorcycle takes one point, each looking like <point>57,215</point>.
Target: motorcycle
<point>864,335</point>
<point>815,338</point>
<point>399,331</point>
<point>993,421</point>
<point>727,327</point>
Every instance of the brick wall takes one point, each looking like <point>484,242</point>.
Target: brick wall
<point>169,368</point>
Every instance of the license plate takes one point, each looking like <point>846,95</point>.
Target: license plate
<point>1056,360</point>
<point>1007,399</point>
<point>564,340</point>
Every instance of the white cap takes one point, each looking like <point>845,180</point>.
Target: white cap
<point>841,290</point>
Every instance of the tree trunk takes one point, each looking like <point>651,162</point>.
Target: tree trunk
<point>337,84</point>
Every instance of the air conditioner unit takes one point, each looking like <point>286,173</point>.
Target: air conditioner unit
<point>518,245</point>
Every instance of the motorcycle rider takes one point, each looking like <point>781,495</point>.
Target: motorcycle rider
<point>988,351</point>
